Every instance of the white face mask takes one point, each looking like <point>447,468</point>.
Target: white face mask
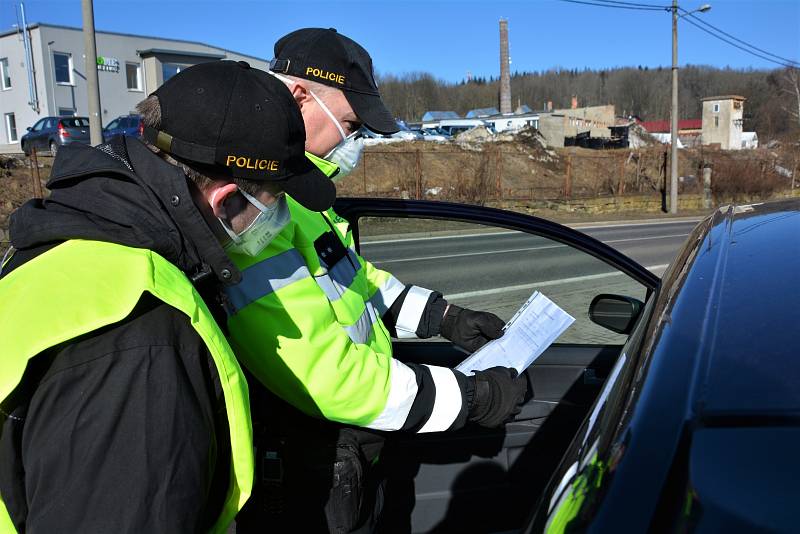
<point>347,153</point>
<point>259,233</point>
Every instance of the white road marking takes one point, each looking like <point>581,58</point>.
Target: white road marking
<point>368,241</point>
<point>506,251</point>
<point>520,287</point>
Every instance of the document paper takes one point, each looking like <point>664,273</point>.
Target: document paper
<point>536,325</point>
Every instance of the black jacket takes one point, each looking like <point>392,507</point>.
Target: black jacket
<point>124,428</point>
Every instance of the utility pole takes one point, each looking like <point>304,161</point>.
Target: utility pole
<point>92,84</point>
<point>673,184</point>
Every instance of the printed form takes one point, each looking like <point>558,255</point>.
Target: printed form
<point>535,326</point>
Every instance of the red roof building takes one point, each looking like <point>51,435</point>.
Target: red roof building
<point>684,126</point>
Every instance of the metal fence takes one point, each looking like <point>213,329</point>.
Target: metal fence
<point>497,174</point>
<point>501,173</point>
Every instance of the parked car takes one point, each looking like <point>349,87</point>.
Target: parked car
<point>50,133</point>
<point>130,125</point>
<point>403,134</point>
<point>677,408</point>
<point>453,127</point>
<point>435,134</point>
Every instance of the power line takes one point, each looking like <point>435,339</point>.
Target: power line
<point>701,21</point>
<point>729,39</point>
<point>654,8</point>
<point>633,4</point>
<point>789,65</point>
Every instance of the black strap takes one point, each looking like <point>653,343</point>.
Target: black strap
<point>279,65</point>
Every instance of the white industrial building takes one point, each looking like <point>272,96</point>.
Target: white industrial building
<point>47,78</point>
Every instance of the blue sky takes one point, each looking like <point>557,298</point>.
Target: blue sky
<point>449,38</point>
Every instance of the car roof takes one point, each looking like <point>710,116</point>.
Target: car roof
<point>747,345</point>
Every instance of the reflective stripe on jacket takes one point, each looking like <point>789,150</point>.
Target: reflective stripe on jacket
<point>306,321</point>
<point>88,285</point>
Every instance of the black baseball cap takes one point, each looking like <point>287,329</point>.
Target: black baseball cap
<point>328,57</point>
<point>239,122</point>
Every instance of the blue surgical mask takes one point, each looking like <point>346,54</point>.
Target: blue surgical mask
<point>265,227</point>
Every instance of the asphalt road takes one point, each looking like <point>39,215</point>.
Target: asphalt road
<point>497,271</point>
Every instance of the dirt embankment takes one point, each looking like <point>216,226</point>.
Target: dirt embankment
<point>475,170</point>
<point>17,185</point>
<point>509,170</point>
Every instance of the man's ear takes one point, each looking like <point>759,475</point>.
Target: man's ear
<point>217,195</point>
<point>300,93</point>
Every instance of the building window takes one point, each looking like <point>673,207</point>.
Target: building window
<point>716,122</point>
<point>66,112</point>
<point>716,108</point>
<point>169,70</point>
<point>62,64</point>
<point>5,76</point>
<point>133,72</point>
<point>11,128</point>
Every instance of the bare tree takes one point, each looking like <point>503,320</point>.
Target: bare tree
<point>792,78</point>
<point>640,91</point>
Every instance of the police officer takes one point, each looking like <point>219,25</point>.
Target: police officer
<point>123,406</point>
<point>313,321</point>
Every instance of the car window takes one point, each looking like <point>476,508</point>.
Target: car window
<point>39,125</point>
<point>113,124</point>
<point>494,269</point>
<point>75,122</point>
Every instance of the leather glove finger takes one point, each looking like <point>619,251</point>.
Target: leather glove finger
<point>521,387</point>
<point>488,324</point>
<point>470,329</point>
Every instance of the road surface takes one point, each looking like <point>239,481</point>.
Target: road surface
<point>497,271</point>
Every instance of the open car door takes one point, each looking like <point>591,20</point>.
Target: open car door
<point>479,480</point>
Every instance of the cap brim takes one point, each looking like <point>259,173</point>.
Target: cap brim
<point>372,112</point>
<point>311,188</point>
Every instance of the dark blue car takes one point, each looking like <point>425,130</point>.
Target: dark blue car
<point>130,125</point>
<point>676,410</point>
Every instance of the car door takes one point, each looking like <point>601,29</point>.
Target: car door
<point>483,258</point>
<point>34,141</point>
<point>112,129</point>
<point>48,133</point>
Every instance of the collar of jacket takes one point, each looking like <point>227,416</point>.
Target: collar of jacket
<point>199,253</point>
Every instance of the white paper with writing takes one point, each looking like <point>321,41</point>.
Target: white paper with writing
<point>535,326</point>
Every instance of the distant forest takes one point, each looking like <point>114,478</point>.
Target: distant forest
<point>771,109</point>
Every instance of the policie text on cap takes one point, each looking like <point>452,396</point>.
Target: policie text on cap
<point>239,122</point>
<point>328,57</point>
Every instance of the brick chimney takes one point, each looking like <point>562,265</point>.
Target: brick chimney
<point>574,102</point>
<point>505,75</point>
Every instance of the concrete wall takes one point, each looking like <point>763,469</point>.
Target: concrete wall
<point>563,123</point>
<point>553,128</point>
<point>723,127</point>
<point>595,119</point>
<point>115,97</point>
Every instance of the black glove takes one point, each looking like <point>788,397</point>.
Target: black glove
<point>470,329</point>
<point>497,396</point>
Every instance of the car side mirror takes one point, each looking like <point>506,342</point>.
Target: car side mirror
<point>29,128</point>
<point>615,312</point>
